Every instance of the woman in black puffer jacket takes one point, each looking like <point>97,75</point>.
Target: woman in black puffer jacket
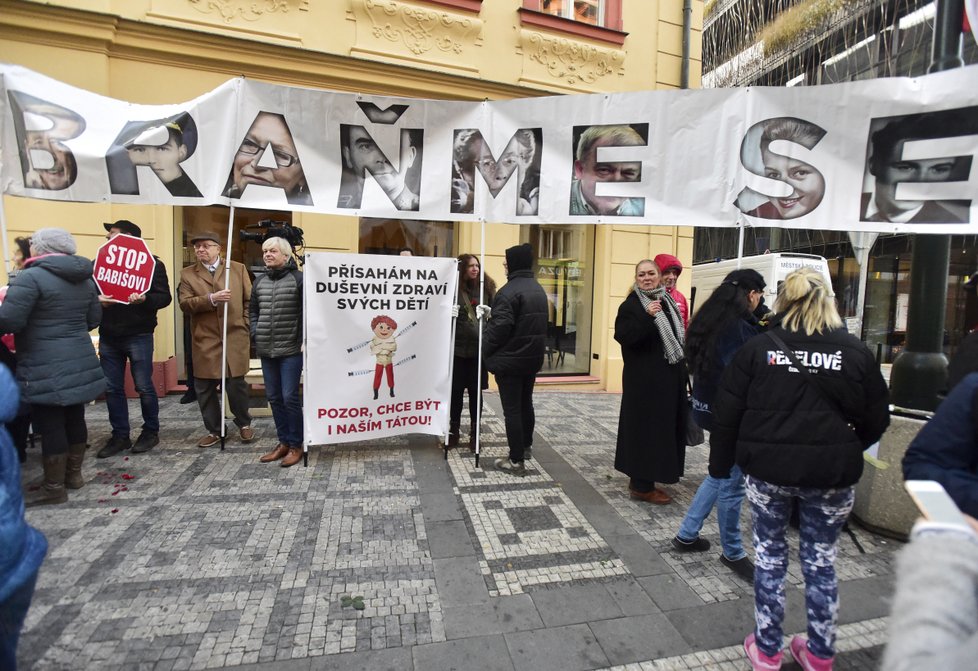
<point>798,436</point>
<point>51,306</point>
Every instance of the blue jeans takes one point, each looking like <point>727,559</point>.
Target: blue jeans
<point>138,349</point>
<point>282,389</point>
<point>727,495</point>
<point>13,612</point>
<point>823,512</point>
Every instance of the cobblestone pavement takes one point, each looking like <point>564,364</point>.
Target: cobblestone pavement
<point>387,556</point>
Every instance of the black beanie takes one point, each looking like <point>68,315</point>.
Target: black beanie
<point>519,257</point>
<point>748,278</point>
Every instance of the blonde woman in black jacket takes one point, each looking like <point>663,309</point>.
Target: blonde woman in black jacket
<point>798,436</point>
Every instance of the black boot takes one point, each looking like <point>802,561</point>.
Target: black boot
<point>53,490</point>
<point>375,394</point>
<point>73,475</point>
<point>392,392</point>
<point>452,435</point>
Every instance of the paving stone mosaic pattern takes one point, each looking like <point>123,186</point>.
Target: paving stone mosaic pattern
<point>529,533</point>
<point>582,429</point>
<point>858,648</point>
<point>189,558</point>
<point>192,558</point>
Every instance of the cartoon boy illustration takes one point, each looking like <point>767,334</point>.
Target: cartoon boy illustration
<point>383,345</point>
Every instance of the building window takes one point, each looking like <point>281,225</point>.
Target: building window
<point>565,269</point>
<point>585,11</point>
<point>593,19</point>
<point>246,249</point>
<point>423,238</point>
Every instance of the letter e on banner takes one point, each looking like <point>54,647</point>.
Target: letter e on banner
<point>123,266</point>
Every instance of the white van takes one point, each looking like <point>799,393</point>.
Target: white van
<point>774,267</point>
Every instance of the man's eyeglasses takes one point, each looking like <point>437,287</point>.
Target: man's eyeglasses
<point>205,245</point>
<point>282,159</point>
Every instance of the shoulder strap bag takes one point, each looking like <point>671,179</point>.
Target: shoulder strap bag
<point>694,434</point>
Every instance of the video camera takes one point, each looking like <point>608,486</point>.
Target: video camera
<point>268,228</point>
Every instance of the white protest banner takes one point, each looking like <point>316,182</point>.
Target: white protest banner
<point>886,155</point>
<point>378,345</point>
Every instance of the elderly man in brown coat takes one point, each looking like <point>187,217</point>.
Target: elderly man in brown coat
<point>202,296</point>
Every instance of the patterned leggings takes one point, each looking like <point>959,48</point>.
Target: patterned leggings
<point>823,513</point>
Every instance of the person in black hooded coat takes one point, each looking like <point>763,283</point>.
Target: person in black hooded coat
<point>513,345</point>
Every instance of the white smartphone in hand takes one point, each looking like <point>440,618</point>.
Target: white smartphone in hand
<point>934,503</point>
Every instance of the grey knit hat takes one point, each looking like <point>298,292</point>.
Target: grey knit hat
<point>53,240</point>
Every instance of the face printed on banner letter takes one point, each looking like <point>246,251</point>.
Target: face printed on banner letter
<point>42,128</point>
<point>160,145</point>
<point>890,167</point>
<point>589,172</point>
<point>361,155</point>
<point>164,160</point>
<point>268,157</point>
<point>471,152</point>
<point>806,182</point>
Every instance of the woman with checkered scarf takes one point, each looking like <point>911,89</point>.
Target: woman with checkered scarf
<point>651,436</point>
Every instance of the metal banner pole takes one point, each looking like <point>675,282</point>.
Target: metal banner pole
<point>3,231</point>
<point>451,371</point>
<point>740,242</point>
<point>478,369</point>
<point>224,335</point>
<point>302,378</point>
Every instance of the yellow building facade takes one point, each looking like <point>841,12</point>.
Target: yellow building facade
<point>169,51</point>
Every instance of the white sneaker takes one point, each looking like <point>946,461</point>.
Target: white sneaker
<point>512,467</point>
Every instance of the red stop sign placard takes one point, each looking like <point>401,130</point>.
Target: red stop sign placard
<point>124,266</point>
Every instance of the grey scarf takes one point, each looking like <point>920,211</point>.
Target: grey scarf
<point>668,322</point>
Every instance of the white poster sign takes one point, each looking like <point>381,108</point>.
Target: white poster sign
<point>378,345</point>
<point>892,154</point>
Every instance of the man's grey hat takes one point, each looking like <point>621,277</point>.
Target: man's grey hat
<point>205,235</point>
<point>53,240</point>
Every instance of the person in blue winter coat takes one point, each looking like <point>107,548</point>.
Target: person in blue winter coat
<point>51,306</point>
<point>946,449</point>
<point>22,548</point>
<point>721,326</point>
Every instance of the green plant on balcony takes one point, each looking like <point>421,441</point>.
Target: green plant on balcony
<point>804,19</point>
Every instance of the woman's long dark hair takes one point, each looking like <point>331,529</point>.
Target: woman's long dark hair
<point>727,304</point>
<point>469,290</point>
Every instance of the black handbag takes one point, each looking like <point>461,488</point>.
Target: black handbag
<point>694,434</point>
